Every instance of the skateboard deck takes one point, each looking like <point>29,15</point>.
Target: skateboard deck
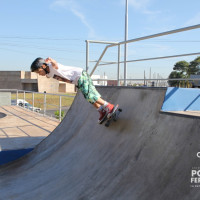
<point>114,116</point>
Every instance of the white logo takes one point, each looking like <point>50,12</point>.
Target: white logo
<point>195,175</point>
<point>198,154</point>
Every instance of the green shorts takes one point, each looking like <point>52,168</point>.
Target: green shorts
<point>85,85</point>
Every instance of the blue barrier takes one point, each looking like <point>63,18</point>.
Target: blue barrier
<point>11,155</point>
<point>181,99</point>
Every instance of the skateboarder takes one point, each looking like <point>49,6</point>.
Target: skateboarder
<point>75,75</point>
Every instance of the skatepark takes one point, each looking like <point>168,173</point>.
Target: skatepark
<point>146,154</point>
<point>151,152</point>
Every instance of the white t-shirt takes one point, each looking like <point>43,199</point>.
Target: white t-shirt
<point>65,73</point>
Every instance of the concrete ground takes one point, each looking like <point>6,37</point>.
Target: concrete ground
<point>21,128</point>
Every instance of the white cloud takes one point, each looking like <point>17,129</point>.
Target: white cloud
<point>142,6</point>
<point>84,21</point>
<point>149,12</point>
<point>74,7</point>
<point>193,21</point>
<point>66,4</point>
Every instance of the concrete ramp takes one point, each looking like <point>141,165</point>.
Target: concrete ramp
<point>146,155</point>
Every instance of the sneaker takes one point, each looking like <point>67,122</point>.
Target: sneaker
<point>109,109</point>
<point>103,115</point>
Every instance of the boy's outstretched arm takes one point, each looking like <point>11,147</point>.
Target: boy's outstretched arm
<point>52,61</point>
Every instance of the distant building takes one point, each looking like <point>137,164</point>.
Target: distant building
<point>30,81</point>
<point>112,82</point>
<point>99,82</point>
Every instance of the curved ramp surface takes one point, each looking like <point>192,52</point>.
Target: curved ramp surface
<point>145,155</point>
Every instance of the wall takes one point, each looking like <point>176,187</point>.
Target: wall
<point>28,75</point>
<point>49,85</point>
<point>66,87</point>
<point>30,81</point>
<point>30,86</point>
<point>5,98</point>
<point>10,80</point>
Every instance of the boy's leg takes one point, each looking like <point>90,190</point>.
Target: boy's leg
<point>100,102</point>
<point>85,85</point>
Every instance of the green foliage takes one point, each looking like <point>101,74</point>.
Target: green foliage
<point>57,113</point>
<point>173,75</point>
<point>181,66</point>
<point>183,69</point>
<point>194,67</point>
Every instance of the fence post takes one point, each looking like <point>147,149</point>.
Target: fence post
<point>118,70</point>
<point>24,99</point>
<point>60,107</point>
<point>16,97</point>
<point>33,100</point>
<point>87,55</point>
<point>45,102</point>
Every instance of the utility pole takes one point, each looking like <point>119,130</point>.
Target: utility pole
<point>150,73</point>
<point>104,78</point>
<point>150,77</point>
<point>125,45</point>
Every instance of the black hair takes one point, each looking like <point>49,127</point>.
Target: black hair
<point>37,63</point>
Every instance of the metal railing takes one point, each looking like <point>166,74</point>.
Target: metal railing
<point>113,44</point>
<point>38,99</point>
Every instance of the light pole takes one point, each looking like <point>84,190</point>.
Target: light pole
<point>125,45</point>
<point>87,55</point>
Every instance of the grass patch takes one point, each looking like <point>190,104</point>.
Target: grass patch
<point>52,101</point>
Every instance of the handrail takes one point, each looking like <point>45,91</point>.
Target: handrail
<point>63,95</point>
<point>33,99</point>
<point>139,39</point>
<point>152,79</point>
<point>154,58</point>
<point>104,51</point>
<point>101,42</point>
<point>159,34</point>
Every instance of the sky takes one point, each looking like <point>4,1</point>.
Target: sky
<point>59,29</point>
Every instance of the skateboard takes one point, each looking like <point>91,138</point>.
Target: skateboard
<point>113,116</point>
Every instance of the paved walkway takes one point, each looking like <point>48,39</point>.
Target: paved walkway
<point>22,128</point>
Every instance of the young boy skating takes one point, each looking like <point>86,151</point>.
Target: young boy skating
<point>75,75</point>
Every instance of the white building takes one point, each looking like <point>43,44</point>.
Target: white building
<point>99,82</point>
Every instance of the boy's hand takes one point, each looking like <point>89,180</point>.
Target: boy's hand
<point>53,62</point>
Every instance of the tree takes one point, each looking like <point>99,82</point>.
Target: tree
<point>194,67</point>
<point>182,67</point>
<point>174,74</point>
